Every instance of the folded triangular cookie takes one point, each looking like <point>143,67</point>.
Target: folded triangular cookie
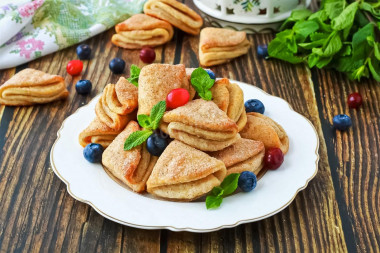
<point>183,173</point>
<point>31,86</point>
<point>132,167</point>
<point>202,125</point>
<point>116,104</point>
<point>219,45</point>
<point>263,128</point>
<point>142,30</point>
<point>156,81</point>
<point>243,155</point>
<point>176,13</point>
<point>97,132</point>
<point>229,97</point>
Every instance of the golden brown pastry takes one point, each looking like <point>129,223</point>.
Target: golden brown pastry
<point>31,86</point>
<point>243,155</point>
<point>176,13</point>
<point>263,128</point>
<point>183,173</point>
<point>220,45</point>
<point>229,97</point>
<point>117,103</point>
<point>202,125</point>
<point>156,81</point>
<point>132,167</point>
<point>142,30</point>
<point>97,132</point>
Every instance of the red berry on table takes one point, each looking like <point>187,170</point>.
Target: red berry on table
<point>177,97</point>
<point>147,55</point>
<point>354,100</point>
<point>273,158</point>
<point>74,67</point>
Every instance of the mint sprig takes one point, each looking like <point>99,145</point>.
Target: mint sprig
<point>342,34</point>
<point>202,83</point>
<point>149,123</point>
<point>227,187</point>
<point>134,75</point>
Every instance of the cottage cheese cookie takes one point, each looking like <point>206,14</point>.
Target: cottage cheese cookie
<point>31,86</point>
<point>183,173</point>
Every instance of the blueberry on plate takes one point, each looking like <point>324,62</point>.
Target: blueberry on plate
<point>254,105</point>
<point>83,86</point>
<point>84,51</point>
<point>117,65</point>
<point>210,73</point>
<point>93,152</point>
<point>156,144</point>
<point>342,122</point>
<point>262,51</point>
<point>247,181</point>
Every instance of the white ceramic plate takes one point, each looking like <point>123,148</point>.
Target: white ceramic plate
<point>89,183</point>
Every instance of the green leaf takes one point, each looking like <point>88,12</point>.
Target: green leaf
<point>312,60</point>
<point>213,202</point>
<point>360,72</point>
<point>295,16</point>
<point>323,61</point>
<point>202,83</point>
<point>305,28</point>
<point>345,18</point>
<point>311,45</point>
<point>360,46</point>
<point>217,191</point>
<point>230,184</point>
<point>318,36</point>
<point>144,121</point>
<point>134,75</point>
<point>370,8</point>
<point>136,138</point>
<point>332,45</point>
<point>376,49</point>
<point>157,113</point>
<point>346,50</point>
<point>334,8</point>
<point>374,67</point>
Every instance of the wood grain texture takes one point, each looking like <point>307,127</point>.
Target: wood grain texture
<point>337,212</point>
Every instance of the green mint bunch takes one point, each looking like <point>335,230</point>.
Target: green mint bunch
<point>202,83</point>
<point>149,123</point>
<point>227,187</point>
<point>134,75</point>
<point>341,35</point>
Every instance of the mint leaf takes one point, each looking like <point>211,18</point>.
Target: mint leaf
<point>202,83</point>
<point>295,16</point>
<point>346,17</point>
<point>334,8</point>
<point>370,8</point>
<point>213,202</point>
<point>144,121</point>
<point>134,75</point>
<point>230,183</point>
<point>376,48</point>
<point>305,28</point>
<point>332,45</point>
<point>374,67</point>
<point>157,113</point>
<point>136,138</point>
<point>217,191</point>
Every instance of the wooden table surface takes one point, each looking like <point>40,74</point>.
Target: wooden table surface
<point>338,212</point>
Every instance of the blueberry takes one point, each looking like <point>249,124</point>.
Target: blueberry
<point>262,51</point>
<point>117,65</point>
<point>342,122</point>
<point>210,73</point>
<point>247,181</point>
<point>83,87</point>
<point>93,152</point>
<point>84,51</point>
<point>254,105</point>
<point>156,144</point>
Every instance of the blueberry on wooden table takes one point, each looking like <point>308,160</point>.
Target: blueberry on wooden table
<point>83,87</point>
<point>262,51</point>
<point>254,105</point>
<point>247,181</point>
<point>156,144</point>
<point>342,122</point>
<point>84,52</point>
<point>117,65</point>
<point>93,152</point>
<point>211,74</point>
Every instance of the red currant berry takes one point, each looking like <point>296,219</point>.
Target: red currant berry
<point>354,100</point>
<point>147,55</point>
<point>273,158</point>
<point>177,97</point>
<point>74,67</point>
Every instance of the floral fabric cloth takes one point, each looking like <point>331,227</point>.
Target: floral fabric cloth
<point>33,28</point>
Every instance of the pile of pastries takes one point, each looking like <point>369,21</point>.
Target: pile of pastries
<point>155,27</point>
<point>210,139</point>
